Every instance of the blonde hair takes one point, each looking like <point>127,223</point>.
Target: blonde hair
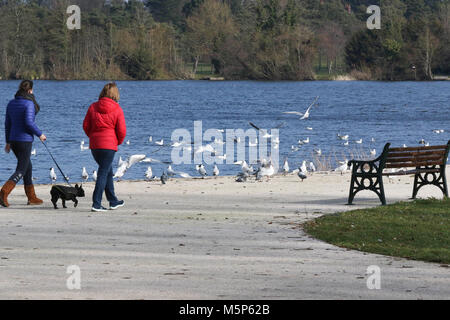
<point>110,91</point>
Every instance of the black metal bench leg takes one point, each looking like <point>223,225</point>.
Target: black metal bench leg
<point>416,187</point>
<point>382,195</point>
<point>445,183</point>
<point>351,194</point>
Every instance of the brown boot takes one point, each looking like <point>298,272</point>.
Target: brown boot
<point>32,199</point>
<point>4,193</point>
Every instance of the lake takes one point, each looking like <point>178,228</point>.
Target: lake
<point>396,112</point>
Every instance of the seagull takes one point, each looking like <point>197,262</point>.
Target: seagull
<point>149,173</point>
<point>318,152</point>
<point>245,168</point>
<point>373,152</point>
<point>206,148</point>
<point>184,175</point>
<point>343,168</point>
<point>302,142</point>
<point>216,171</point>
<point>128,142</point>
<point>177,144</point>
<point>150,139</point>
<point>253,144</point>
<point>309,128</point>
<point>312,167</point>
<point>303,168</point>
<point>52,175</point>
<point>305,115</point>
<point>170,171</point>
<point>121,162</point>
<point>82,147</point>
<point>160,143</point>
<point>33,153</point>
<point>342,137</point>
<point>84,175</point>
<point>242,177</point>
<point>121,170</point>
<point>94,175</point>
<point>285,167</point>
<point>135,159</point>
<point>346,143</point>
<point>224,157</point>
<point>301,175</point>
<point>266,170</point>
<point>422,141</point>
<point>201,169</point>
<point>360,141</point>
<point>163,178</point>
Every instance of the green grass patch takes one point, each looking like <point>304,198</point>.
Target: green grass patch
<point>418,230</point>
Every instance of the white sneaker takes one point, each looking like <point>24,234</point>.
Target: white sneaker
<point>101,209</point>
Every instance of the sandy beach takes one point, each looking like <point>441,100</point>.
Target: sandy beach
<point>204,239</point>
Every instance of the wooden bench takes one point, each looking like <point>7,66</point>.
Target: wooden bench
<point>428,162</point>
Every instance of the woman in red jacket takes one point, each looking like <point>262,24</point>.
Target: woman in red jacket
<point>104,124</point>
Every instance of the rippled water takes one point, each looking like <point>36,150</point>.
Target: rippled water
<point>400,113</point>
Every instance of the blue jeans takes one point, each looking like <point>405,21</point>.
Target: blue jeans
<point>104,159</point>
<point>22,151</point>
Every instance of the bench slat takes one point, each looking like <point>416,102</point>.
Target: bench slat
<point>412,154</point>
<point>409,172</point>
<point>416,159</point>
<point>419,148</point>
<point>413,164</point>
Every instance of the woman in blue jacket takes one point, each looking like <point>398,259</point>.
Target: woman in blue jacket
<point>20,130</point>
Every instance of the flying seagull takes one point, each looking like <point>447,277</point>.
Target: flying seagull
<point>305,115</point>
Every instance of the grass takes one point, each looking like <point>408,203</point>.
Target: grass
<point>418,230</point>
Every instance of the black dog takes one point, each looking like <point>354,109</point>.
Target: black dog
<point>66,193</point>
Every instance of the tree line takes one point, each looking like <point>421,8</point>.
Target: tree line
<point>240,39</point>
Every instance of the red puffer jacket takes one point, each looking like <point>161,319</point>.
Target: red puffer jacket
<point>104,124</point>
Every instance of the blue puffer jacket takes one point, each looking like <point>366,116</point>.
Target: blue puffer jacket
<point>19,121</point>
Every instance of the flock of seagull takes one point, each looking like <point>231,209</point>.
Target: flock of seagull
<point>264,167</point>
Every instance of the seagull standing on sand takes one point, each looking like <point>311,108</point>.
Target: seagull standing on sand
<point>266,170</point>
<point>163,178</point>
<point>301,175</point>
<point>285,167</point>
<point>52,175</point>
<point>149,173</point>
<point>216,171</point>
<point>312,167</point>
<point>201,169</point>
<point>303,168</point>
<point>343,168</point>
<point>84,175</point>
<point>170,171</point>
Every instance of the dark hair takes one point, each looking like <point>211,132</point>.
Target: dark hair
<point>25,86</point>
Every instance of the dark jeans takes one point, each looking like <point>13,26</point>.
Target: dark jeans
<point>104,159</point>
<point>22,151</point>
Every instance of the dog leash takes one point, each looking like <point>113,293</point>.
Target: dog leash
<point>65,178</point>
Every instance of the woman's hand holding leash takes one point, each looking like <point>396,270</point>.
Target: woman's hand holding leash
<point>43,138</point>
<point>7,148</point>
